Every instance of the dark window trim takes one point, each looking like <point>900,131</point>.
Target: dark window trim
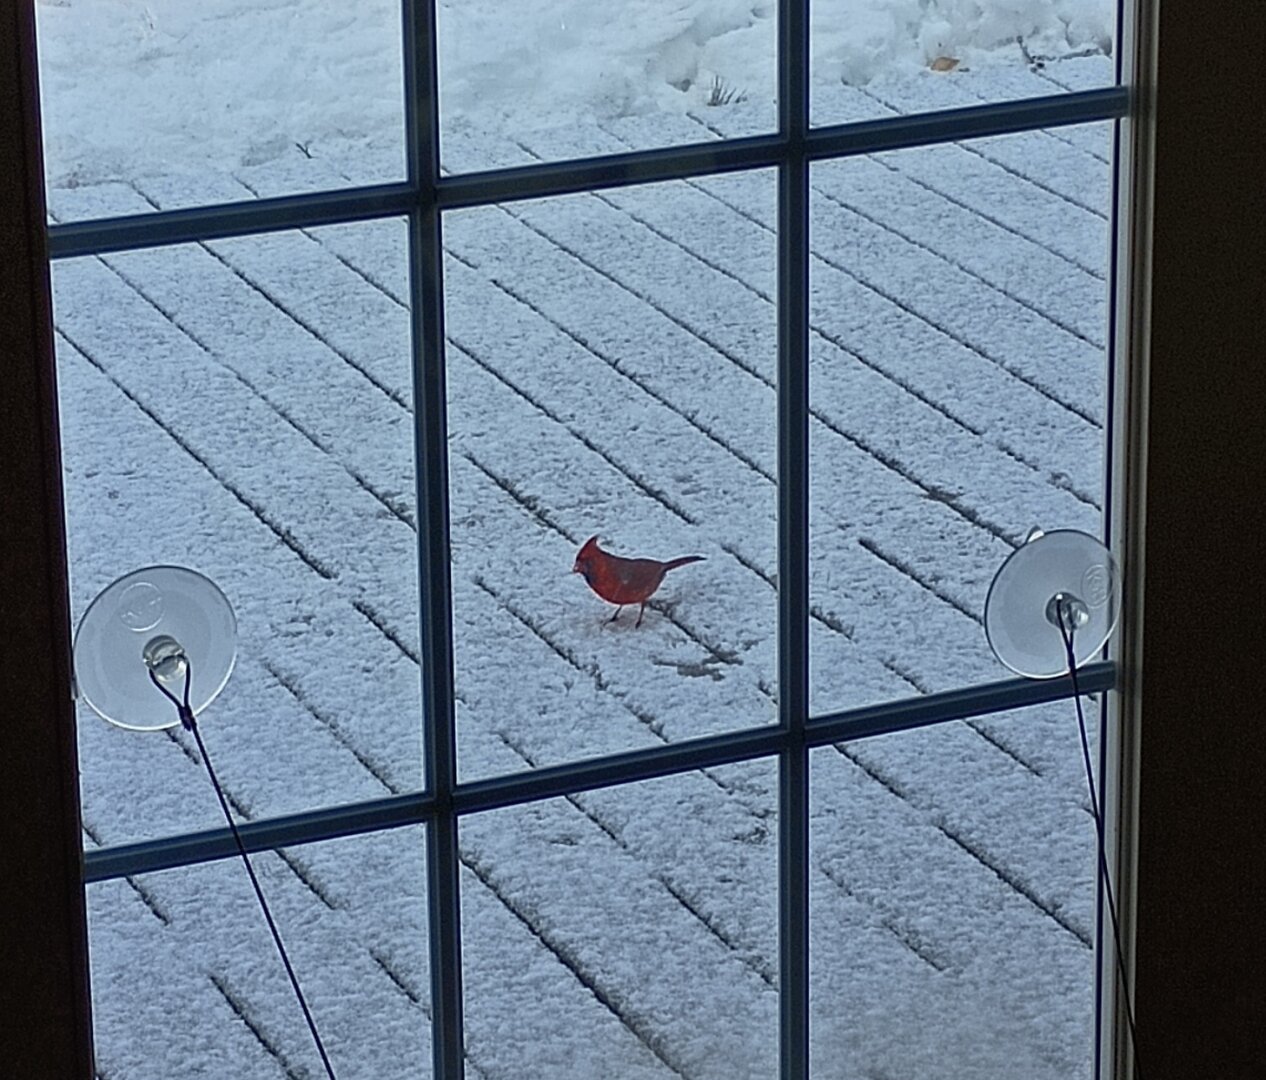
<point>46,1005</point>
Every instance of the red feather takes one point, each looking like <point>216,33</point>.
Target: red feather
<point>624,581</point>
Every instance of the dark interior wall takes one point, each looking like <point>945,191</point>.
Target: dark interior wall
<point>44,1027</point>
<point>1200,990</point>
<point>1202,899</point>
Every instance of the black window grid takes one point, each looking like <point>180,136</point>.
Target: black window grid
<point>423,199</point>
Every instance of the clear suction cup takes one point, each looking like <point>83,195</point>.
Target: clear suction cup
<point>1066,575</point>
<point>164,619</point>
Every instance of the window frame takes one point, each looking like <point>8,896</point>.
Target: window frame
<point>423,199</point>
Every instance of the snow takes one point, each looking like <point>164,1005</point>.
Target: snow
<point>244,407</point>
<point>122,78</point>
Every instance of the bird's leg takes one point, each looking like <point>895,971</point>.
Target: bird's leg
<point>639,616</point>
<point>617,613</point>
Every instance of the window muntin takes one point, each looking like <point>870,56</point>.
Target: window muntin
<point>444,860</point>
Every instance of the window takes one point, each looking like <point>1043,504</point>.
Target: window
<point>831,290</point>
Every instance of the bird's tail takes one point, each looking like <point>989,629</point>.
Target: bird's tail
<point>672,564</point>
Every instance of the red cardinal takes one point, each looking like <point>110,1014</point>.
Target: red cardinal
<point>624,581</point>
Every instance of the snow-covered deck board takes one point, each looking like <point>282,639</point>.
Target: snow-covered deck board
<point>244,407</point>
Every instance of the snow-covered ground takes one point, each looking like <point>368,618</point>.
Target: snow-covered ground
<point>244,407</point>
<point>145,86</point>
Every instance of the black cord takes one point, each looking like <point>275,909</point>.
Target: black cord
<point>190,724</point>
<point>1066,632</point>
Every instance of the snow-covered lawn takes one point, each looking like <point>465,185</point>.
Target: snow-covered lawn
<point>244,407</point>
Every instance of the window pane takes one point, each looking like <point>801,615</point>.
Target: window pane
<point>243,408</point>
<point>954,935</point>
<point>611,367</point>
<point>957,384</point>
<point>876,58</point>
<point>186,980</point>
<point>566,78</point>
<point>182,92</point>
<point>629,933</point>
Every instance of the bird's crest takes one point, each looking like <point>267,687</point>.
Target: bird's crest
<point>585,556</point>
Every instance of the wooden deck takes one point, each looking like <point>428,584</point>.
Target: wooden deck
<point>245,407</point>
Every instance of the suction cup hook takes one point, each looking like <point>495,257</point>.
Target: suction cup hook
<point>1058,578</point>
<point>164,619</point>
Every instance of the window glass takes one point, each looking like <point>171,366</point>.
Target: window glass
<point>958,380</point>
<point>628,932</point>
<point>954,934</point>
<point>876,58</point>
<point>573,79</point>
<point>611,373</point>
<point>186,980</point>
<point>183,92</point>
<point>242,407</point>
<point>245,407</point>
